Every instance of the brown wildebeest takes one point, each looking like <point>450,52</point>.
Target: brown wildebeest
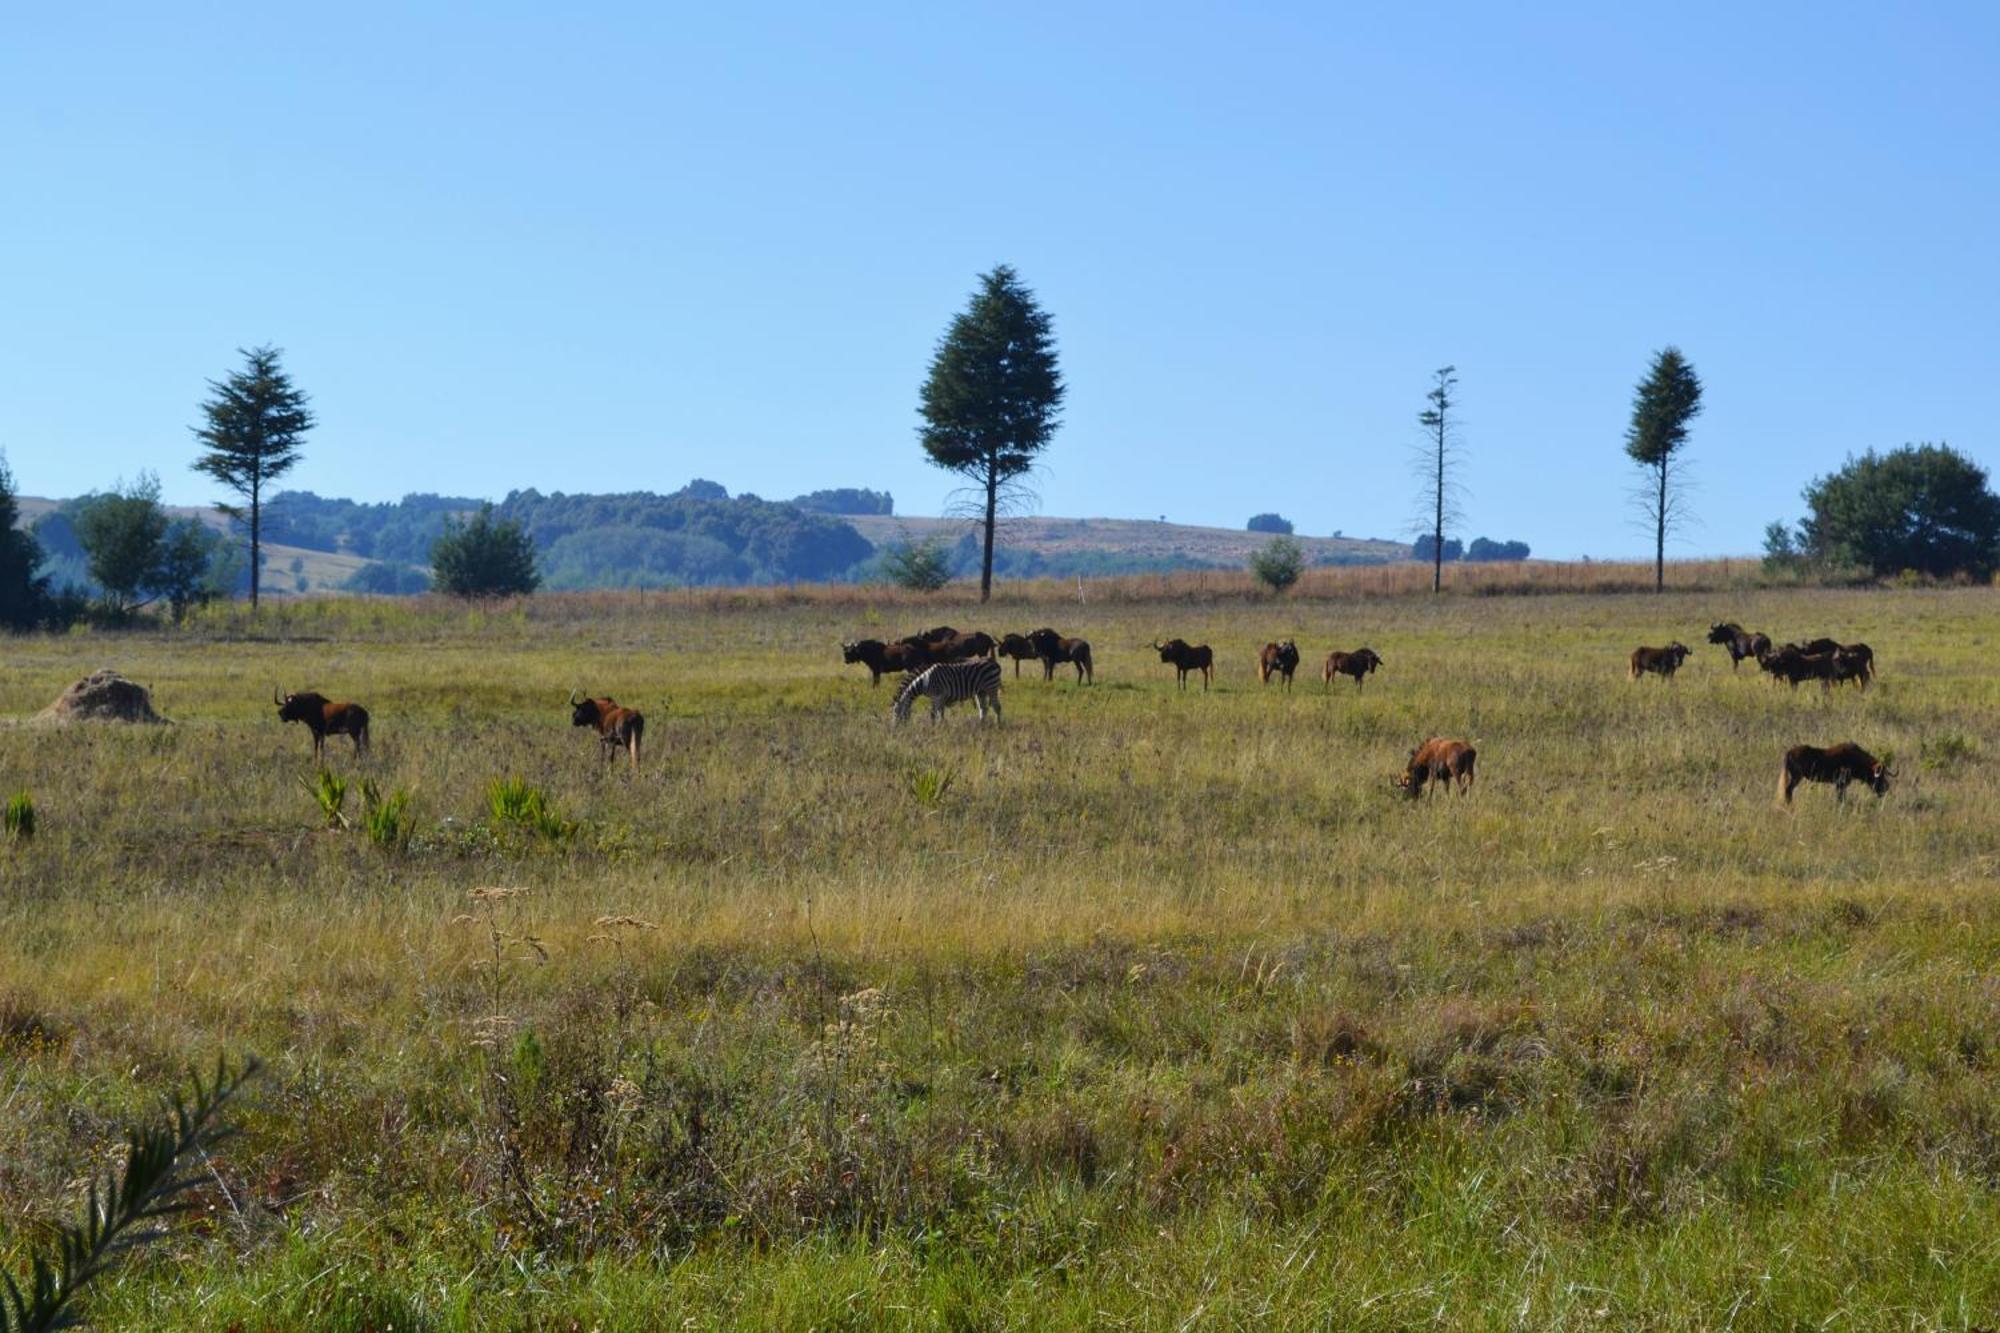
<point>617,728</point>
<point>1740,642</point>
<point>1838,764</point>
<point>1017,647</point>
<point>324,718</point>
<point>964,647</point>
<point>885,659</point>
<point>931,638</point>
<point>1053,649</point>
<point>1822,660</point>
<point>1186,657</point>
<point>1660,661</point>
<point>1356,664</point>
<point>1441,763</point>
<point>1280,658</point>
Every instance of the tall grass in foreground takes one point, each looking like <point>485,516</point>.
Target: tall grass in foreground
<point>1163,1008</point>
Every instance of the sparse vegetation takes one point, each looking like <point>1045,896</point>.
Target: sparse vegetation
<point>1172,1003</point>
<point>20,817</point>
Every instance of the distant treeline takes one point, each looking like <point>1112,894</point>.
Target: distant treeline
<point>699,535</point>
<point>1482,549</point>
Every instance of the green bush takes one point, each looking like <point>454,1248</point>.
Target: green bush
<point>20,818</point>
<point>517,803</point>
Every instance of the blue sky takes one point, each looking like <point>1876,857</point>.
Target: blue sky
<point>507,245</point>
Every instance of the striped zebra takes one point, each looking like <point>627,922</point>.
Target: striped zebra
<point>951,683</point>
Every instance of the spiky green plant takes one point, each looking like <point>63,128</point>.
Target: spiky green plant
<point>121,1205</point>
<point>382,817</point>
<point>20,817</point>
<point>329,792</point>
<point>929,785</point>
<point>517,802</point>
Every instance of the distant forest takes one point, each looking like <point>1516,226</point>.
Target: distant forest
<point>699,534</point>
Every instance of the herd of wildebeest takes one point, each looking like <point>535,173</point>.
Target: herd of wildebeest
<point>947,666</point>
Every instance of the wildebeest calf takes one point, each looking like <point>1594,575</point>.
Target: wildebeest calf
<point>1017,647</point>
<point>1659,661</point>
<point>1186,657</point>
<point>618,728</point>
<point>1838,764</point>
<point>1281,659</point>
<point>1053,648</point>
<point>1356,664</point>
<point>323,718</point>
<point>1441,763</point>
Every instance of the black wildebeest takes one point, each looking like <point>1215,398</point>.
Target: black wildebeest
<point>1740,642</point>
<point>964,647</point>
<point>323,718</point>
<point>1441,763</point>
<point>885,659</point>
<point>1017,647</point>
<point>618,728</point>
<point>1835,666</point>
<point>1185,657</point>
<point>1280,659</point>
<point>931,638</point>
<point>1660,661</point>
<point>1838,764</point>
<point>1356,664</point>
<point>1054,649</point>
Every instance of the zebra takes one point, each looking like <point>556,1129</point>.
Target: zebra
<point>951,683</point>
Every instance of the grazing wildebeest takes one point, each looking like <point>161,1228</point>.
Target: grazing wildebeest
<point>1186,657</point>
<point>618,728</point>
<point>1838,764</point>
<point>1054,649</point>
<point>1660,661</point>
<point>1356,664</point>
<point>931,638</point>
<point>1441,763</point>
<point>1740,642</point>
<point>1280,659</point>
<point>1793,665</point>
<point>961,647</point>
<point>884,659</point>
<point>950,683</point>
<point>324,718</point>
<point>1017,647</point>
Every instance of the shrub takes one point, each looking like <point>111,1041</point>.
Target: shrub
<point>20,817</point>
<point>484,557</point>
<point>923,566</point>
<point>928,786</point>
<point>1279,563</point>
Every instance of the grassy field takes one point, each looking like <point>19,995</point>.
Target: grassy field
<point>1144,1009</point>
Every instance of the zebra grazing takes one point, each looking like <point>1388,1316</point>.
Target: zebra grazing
<point>951,683</point>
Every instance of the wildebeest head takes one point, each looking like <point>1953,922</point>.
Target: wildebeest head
<point>298,707</point>
<point>1879,775</point>
<point>583,712</point>
<point>1727,632</point>
<point>1171,649</point>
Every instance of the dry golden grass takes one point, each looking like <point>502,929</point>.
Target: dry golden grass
<point>1165,1004</point>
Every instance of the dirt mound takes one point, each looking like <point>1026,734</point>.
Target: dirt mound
<point>103,696</point>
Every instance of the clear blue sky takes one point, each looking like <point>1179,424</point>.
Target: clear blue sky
<point>509,245</point>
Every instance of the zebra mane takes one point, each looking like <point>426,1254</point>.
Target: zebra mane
<point>906,688</point>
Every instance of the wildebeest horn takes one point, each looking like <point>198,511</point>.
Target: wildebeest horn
<point>572,698</point>
<point>274,695</point>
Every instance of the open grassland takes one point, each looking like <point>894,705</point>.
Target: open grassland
<point>1144,1009</point>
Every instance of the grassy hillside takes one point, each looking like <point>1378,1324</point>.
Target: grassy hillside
<point>1142,1009</point>
<point>1131,539</point>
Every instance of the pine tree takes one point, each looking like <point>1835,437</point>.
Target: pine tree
<point>1663,405</point>
<point>993,399</point>
<point>1435,466</point>
<point>255,423</point>
<point>485,557</point>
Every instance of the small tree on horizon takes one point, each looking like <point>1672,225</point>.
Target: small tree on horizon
<point>1278,563</point>
<point>254,425</point>
<point>1435,460</point>
<point>993,398</point>
<point>1662,406</point>
<point>484,557</point>
<point>921,566</point>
